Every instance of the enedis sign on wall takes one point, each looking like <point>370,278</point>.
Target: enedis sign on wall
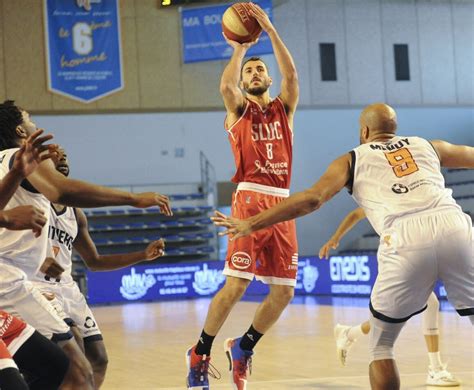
<point>83,48</point>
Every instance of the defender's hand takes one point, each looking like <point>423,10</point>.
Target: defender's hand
<point>149,199</point>
<point>51,268</point>
<point>155,249</point>
<point>32,152</point>
<point>235,227</point>
<point>24,218</point>
<point>326,248</point>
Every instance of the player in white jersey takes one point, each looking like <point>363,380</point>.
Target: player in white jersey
<point>68,229</point>
<point>20,345</point>
<point>346,336</point>
<point>22,253</point>
<point>424,235</point>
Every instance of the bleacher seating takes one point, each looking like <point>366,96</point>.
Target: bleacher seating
<point>189,233</point>
<point>461,181</point>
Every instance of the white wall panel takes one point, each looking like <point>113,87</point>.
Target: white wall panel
<point>463,26</point>
<point>325,21</point>
<point>436,52</point>
<point>399,26</point>
<point>364,51</point>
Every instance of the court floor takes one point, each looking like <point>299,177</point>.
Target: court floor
<point>146,343</point>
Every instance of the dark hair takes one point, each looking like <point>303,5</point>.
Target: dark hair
<point>250,60</point>
<point>10,118</point>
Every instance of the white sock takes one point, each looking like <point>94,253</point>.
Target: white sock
<point>435,360</point>
<point>355,332</point>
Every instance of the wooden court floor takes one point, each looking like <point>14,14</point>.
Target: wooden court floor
<point>147,343</point>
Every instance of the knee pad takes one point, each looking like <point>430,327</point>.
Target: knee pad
<point>430,316</point>
<point>382,337</point>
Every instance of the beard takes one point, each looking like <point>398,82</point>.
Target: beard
<point>256,91</point>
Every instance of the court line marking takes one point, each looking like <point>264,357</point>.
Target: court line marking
<point>214,384</point>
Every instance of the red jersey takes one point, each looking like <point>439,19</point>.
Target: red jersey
<point>262,144</point>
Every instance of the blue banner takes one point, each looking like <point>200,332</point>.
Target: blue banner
<point>339,276</point>
<point>83,48</point>
<point>202,34</point>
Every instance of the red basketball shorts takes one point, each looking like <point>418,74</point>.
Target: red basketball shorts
<point>271,254</point>
<point>13,333</point>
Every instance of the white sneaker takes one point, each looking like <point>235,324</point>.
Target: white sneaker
<point>442,377</point>
<point>343,343</point>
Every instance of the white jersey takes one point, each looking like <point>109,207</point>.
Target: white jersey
<point>396,178</point>
<point>62,233</point>
<point>20,248</point>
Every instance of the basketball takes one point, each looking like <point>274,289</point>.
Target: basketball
<point>239,25</point>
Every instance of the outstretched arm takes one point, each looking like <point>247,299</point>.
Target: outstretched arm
<point>96,262</point>
<point>289,82</point>
<point>454,156</point>
<point>334,179</point>
<point>347,224</point>
<point>69,192</point>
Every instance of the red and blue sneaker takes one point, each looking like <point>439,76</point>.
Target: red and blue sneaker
<point>199,370</point>
<point>240,363</point>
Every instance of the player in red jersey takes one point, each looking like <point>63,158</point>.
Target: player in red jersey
<point>22,347</point>
<point>261,136</point>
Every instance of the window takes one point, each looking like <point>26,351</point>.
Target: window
<point>327,54</point>
<point>402,63</point>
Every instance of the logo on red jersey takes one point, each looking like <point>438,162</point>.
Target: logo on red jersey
<point>241,260</point>
<point>266,131</point>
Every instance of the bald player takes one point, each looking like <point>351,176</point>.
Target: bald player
<point>425,236</point>
<point>346,336</point>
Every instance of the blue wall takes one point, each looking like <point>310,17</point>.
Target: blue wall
<point>146,148</point>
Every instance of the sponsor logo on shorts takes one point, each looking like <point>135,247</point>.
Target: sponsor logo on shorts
<point>241,260</point>
<point>89,323</point>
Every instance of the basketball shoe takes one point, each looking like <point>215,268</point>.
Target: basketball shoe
<point>199,370</point>
<point>343,342</point>
<point>441,377</point>
<point>240,362</point>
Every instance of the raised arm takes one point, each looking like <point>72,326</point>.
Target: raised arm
<point>454,156</point>
<point>289,76</point>
<point>96,262</point>
<point>347,224</point>
<point>229,87</point>
<point>334,179</point>
<point>26,160</point>
<point>69,192</point>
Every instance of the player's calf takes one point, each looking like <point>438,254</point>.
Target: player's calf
<point>79,375</point>
<point>97,356</point>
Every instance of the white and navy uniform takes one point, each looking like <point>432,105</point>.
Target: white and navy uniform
<point>424,235</point>
<point>22,254</point>
<point>68,301</point>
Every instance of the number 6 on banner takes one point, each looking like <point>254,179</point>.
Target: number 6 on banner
<point>402,162</point>
<point>82,38</point>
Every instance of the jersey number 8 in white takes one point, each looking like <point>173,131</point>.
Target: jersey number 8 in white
<point>269,151</point>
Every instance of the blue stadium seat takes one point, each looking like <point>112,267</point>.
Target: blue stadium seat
<point>98,227</point>
<point>138,240</point>
<point>137,225</point>
<point>119,240</point>
<point>119,226</point>
<point>98,212</point>
<point>101,241</point>
<point>117,212</point>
